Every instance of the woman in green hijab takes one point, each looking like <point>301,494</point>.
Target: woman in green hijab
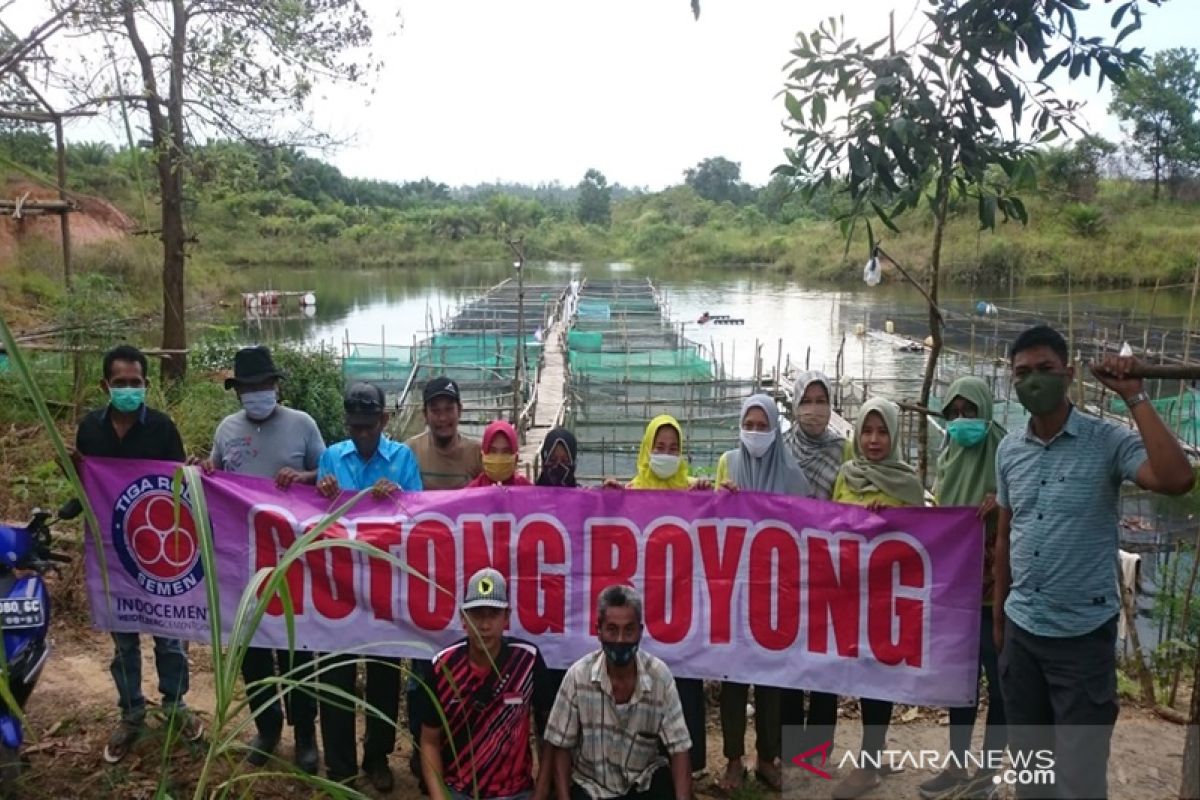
<point>875,477</point>
<point>966,476</point>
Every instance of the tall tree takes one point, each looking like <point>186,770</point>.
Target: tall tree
<point>928,120</point>
<point>718,179</point>
<point>221,67</point>
<point>594,204</point>
<point>1160,104</point>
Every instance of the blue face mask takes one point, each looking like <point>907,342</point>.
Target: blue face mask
<point>259,405</point>
<point>967,432</point>
<point>127,400</point>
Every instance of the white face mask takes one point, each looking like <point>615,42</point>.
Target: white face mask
<point>758,442</point>
<point>259,405</point>
<point>664,465</point>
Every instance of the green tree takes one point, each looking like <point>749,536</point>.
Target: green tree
<point>1160,103</point>
<point>931,120</point>
<point>223,67</point>
<point>594,203</point>
<point>720,180</point>
<point>1075,169</point>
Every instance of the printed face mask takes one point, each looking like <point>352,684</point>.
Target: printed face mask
<point>620,653</point>
<point>664,465</point>
<point>556,474</point>
<point>814,418</point>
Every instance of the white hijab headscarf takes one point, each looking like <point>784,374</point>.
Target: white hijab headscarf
<point>776,471</point>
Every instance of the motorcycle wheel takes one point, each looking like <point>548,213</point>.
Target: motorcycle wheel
<point>10,773</point>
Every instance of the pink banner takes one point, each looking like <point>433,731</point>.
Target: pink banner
<point>749,587</point>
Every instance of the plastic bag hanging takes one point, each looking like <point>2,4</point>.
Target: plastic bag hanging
<point>1126,350</point>
<point>872,275</point>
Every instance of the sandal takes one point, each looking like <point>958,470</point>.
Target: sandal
<point>769,774</point>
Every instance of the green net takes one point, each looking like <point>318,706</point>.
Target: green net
<point>585,341</point>
<point>459,357</point>
<point>1178,411</point>
<point>651,365</point>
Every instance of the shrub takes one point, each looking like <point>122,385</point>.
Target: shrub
<point>324,227</point>
<point>1084,220</point>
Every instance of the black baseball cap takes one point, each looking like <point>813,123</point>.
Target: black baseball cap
<point>442,387</point>
<point>364,404</point>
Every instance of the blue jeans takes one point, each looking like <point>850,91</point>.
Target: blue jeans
<point>170,660</point>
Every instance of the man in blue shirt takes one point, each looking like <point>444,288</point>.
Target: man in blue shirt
<point>1056,594</point>
<point>367,460</point>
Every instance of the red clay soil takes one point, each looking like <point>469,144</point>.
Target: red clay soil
<point>96,220</point>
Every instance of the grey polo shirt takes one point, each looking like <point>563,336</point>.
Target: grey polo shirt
<point>1064,496</point>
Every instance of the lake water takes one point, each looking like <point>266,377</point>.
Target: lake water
<point>807,322</point>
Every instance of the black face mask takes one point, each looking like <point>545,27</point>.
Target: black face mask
<point>620,654</point>
<point>556,475</point>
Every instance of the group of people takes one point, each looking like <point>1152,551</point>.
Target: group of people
<point>617,724</point>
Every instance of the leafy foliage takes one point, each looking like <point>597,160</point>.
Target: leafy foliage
<point>594,206</point>
<point>1075,169</point>
<point>719,180</point>
<point>1160,104</point>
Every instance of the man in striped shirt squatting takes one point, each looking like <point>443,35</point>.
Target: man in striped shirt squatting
<point>485,685</point>
<point>617,723</point>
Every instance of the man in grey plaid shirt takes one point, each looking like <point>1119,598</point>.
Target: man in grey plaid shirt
<point>617,722</point>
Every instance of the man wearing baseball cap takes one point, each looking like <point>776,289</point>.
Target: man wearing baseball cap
<point>478,699</point>
<point>367,460</point>
<point>448,459</point>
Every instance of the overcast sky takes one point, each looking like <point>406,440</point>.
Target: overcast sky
<point>541,90</point>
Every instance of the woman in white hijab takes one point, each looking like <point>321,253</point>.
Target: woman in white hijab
<point>761,463</point>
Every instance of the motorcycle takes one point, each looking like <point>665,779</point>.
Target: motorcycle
<point>25,556</point>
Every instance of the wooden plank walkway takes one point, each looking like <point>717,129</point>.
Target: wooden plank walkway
<point>551,392</point>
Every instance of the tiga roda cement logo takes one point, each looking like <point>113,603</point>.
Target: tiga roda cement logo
<point>162,556</point>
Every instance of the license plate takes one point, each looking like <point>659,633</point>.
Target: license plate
<point>22,612</point>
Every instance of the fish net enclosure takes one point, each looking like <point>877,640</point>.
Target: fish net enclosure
<point>628,364</point>
<point>477,346</point>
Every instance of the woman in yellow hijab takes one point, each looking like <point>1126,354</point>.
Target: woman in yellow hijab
<point>661,465</point>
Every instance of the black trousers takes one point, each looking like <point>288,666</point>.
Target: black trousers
<point>662,787</point>
<point>962,719</point>
<point>1060,695</point>
<point>817,714</point>
<point>382,691</point>
<point>262,663</point>
<point>691,697</point>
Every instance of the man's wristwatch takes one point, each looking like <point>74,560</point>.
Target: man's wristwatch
<point>1140,397</point>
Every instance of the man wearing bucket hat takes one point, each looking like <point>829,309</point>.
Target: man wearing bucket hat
<point>268,440</point>
<point>367,460</point>
<point>479,697</point>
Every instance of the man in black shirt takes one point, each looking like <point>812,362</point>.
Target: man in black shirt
<point>127,428</point>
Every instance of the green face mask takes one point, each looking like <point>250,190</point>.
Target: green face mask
<point>967,432</point>
<point>1042,392</point>
<point>127,400</point>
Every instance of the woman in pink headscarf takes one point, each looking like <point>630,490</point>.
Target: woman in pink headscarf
<point>499,457</point>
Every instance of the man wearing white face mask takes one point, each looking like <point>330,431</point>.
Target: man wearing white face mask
<point>269,440</point>
<point>761,463</point>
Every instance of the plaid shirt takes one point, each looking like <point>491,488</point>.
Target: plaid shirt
<point>615,749</point>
